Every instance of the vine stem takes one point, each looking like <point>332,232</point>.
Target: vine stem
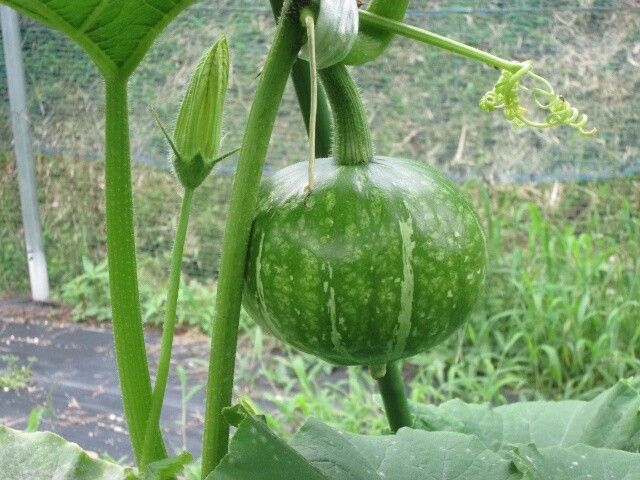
<point>164,361</point>
<point>131,356</point>
<point>309,22</point>
<point>280,60</point>
<point>300,75</point>
<point>394,397</point>
<point>414,33</point>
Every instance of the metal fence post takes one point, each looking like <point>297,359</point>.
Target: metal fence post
<point>24,155</point>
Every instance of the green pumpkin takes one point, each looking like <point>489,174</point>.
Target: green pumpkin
<point>379,262</point>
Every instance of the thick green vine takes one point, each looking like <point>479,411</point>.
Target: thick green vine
<point>373,41</point>
<point>280,60</point>
<point>394,397</point>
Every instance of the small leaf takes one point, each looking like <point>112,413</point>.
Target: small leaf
<point>257,453</point>
<point>34,420</point>
<point>192,391</point>
<point>168,467</point>
<point>555,365</point>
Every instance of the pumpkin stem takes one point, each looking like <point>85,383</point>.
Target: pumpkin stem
<point>394,397</point>
<point>351,137</point>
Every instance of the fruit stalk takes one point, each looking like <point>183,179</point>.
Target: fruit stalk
<point>394,397</point>
<point>283,54</point>
<point>351,137</point>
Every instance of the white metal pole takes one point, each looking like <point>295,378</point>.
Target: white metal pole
<point>24,155</point>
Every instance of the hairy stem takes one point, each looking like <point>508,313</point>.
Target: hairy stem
<point>352,136</point>
<point>368,19</point>
<point>164,362</point>
<point>280,60</point>
<point>130,349</point>
<point>394,398</point>
<point>373,41</point>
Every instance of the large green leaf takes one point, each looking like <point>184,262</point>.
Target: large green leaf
<point>580,462</point>
<point>46,455</point>
<point>525,441</point>
<point>408,454</point>
<point>611,420</point>
<point>319,452</point>
<point>115,33</point>
<point>256,452</point>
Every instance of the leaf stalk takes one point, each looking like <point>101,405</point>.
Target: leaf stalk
<point>130,350</point>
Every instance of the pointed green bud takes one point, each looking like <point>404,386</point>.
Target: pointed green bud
<point>199,125</point>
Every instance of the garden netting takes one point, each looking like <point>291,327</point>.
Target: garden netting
<point>422,104</point>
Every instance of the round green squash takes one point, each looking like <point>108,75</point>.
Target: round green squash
<point>379,262</point>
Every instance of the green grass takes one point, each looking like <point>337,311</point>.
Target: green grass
<point>559,317</point>
<point>13,374</point>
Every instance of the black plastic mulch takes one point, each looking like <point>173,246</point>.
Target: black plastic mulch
<point>74,377</point>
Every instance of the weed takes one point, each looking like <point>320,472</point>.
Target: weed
<point>558,318</point>
<point>13,375</point>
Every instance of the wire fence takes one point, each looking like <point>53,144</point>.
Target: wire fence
<point>423,103</point>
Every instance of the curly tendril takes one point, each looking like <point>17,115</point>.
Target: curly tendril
<point>505,96</point>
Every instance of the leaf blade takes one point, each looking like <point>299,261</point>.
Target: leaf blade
<point>46,455</point>
<point>320,452</point>
<point>611,420</point>
<point>580,462</point>
<point>116,35</point>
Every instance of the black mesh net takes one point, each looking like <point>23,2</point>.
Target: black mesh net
<point>423,102</point>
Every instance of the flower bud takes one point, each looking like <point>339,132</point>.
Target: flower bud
<point>199,125</point>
